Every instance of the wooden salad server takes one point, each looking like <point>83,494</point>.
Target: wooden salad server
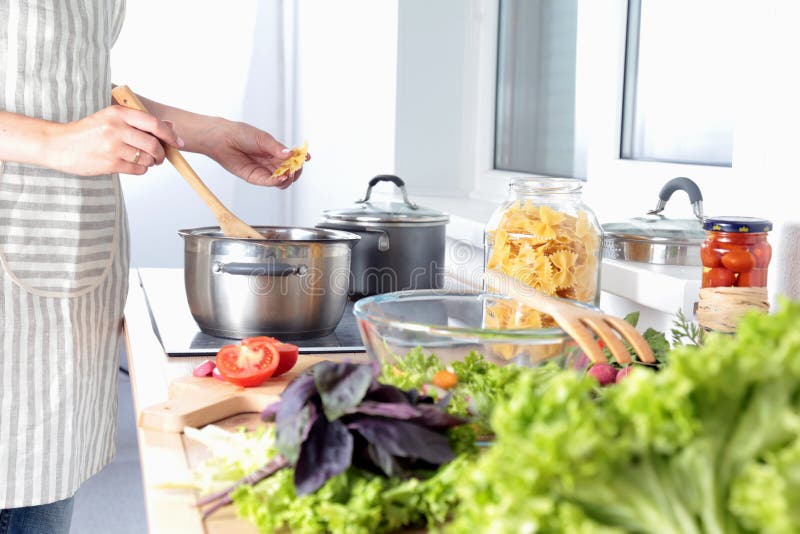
<point>230,224</point>
<point>580,323</point>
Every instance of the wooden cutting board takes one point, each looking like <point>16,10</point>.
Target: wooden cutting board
<point>196,402</point>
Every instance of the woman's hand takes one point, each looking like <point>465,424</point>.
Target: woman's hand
<point>249,153</point>
<point>114,139</point>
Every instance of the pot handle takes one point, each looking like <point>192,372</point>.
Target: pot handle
<point>260,269</point>
<point>680,184</point>
<point>396,180</point>
<point>383,236</point>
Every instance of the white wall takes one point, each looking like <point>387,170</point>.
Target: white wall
<point>347,77</point>
<point>223,61</point>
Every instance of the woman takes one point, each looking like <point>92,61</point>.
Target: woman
<point>64,242</point>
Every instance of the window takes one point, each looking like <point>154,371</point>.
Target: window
<point>679,67</point>
<point>535,109</point>
<point>676,98</point>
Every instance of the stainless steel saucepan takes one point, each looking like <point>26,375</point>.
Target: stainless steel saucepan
<point>292,284</point>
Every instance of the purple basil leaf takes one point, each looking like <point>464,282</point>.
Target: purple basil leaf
<point>383,393</point>
<point>415,397</point>
<point>269,413</point>
<point>432,416</point>
<point>327,452</point>
<point>387,409</point>
<point>405,439</point>
<point>291,433</point>
<point>341,386</point>
<point>384,460</point>
<point>295,397</point>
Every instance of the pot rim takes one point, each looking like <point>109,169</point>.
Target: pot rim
<point>325,235</point>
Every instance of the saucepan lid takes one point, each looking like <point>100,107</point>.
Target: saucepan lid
<point>655,238</point>
<point>371,211</point>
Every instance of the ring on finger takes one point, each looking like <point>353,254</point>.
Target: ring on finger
<point>137,155</point>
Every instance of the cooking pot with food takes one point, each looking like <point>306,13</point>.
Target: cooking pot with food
<point>402,244</point>
<point>292,284</point>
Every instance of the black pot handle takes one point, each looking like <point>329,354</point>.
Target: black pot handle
<point>680,184</point>
<point>396,180</point>
<point>383,236</point>
<point>260,269</point>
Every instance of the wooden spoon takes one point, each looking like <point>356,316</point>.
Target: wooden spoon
<point>230,224</point>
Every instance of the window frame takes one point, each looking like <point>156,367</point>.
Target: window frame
<point>600,76</point>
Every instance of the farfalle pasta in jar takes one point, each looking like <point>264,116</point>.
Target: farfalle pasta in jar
<point>546,237</point>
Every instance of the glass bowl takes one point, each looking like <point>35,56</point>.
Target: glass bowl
<point>451,325</point>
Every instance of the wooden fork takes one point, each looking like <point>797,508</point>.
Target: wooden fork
<point>580,323</point>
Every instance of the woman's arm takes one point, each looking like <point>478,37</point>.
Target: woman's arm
<point>102,143</point>
<point>244,150</point>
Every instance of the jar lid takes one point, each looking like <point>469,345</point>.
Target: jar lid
<point>400,213</point>
<point>739,225</point>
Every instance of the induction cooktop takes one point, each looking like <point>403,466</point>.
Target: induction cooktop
<point>180,336</point>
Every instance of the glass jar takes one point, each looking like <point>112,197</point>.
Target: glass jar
<point>735,257</point>
<point>735,252</point>
<point>545,236</point>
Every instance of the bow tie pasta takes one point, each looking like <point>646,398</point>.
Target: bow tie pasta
<point>294,162</point>
<point>549,250</point>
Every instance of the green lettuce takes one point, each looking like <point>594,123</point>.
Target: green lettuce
<point>707,445</point>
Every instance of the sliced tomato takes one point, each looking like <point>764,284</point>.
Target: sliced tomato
<point>288,352</point>
<point>247,365</point>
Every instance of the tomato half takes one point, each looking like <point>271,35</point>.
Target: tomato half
<point>247,365</point>
<point>288,352</point>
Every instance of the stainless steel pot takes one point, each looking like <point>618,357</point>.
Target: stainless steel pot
<point>402,244</point>
<point>656,239</point>
<point>291,285</point>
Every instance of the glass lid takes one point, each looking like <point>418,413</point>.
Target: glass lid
<point>387,211</point>
<point>656,227</point>
<point>656,239</point>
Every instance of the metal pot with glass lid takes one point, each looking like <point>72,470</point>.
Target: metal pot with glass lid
<point>402,244</point>
<point>656,239</point>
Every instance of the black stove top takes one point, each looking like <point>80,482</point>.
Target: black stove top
<point>180,336</point>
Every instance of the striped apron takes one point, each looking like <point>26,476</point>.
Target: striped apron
<point>63,260</point>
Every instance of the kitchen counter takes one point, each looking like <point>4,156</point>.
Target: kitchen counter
<point>166,458</point>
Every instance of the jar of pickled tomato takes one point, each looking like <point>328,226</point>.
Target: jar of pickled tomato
<point>735,257</point>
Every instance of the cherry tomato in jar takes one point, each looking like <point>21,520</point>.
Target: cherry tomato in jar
<point>738,261</point>
<point>754,278</point>
<point>710,256</point>
<point>763,253</point>
<point>718,277</point>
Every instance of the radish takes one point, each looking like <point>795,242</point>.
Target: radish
<point>205,368</point>
<point>604,373</point>
<point>625,371</point>
<point>216,374</point>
